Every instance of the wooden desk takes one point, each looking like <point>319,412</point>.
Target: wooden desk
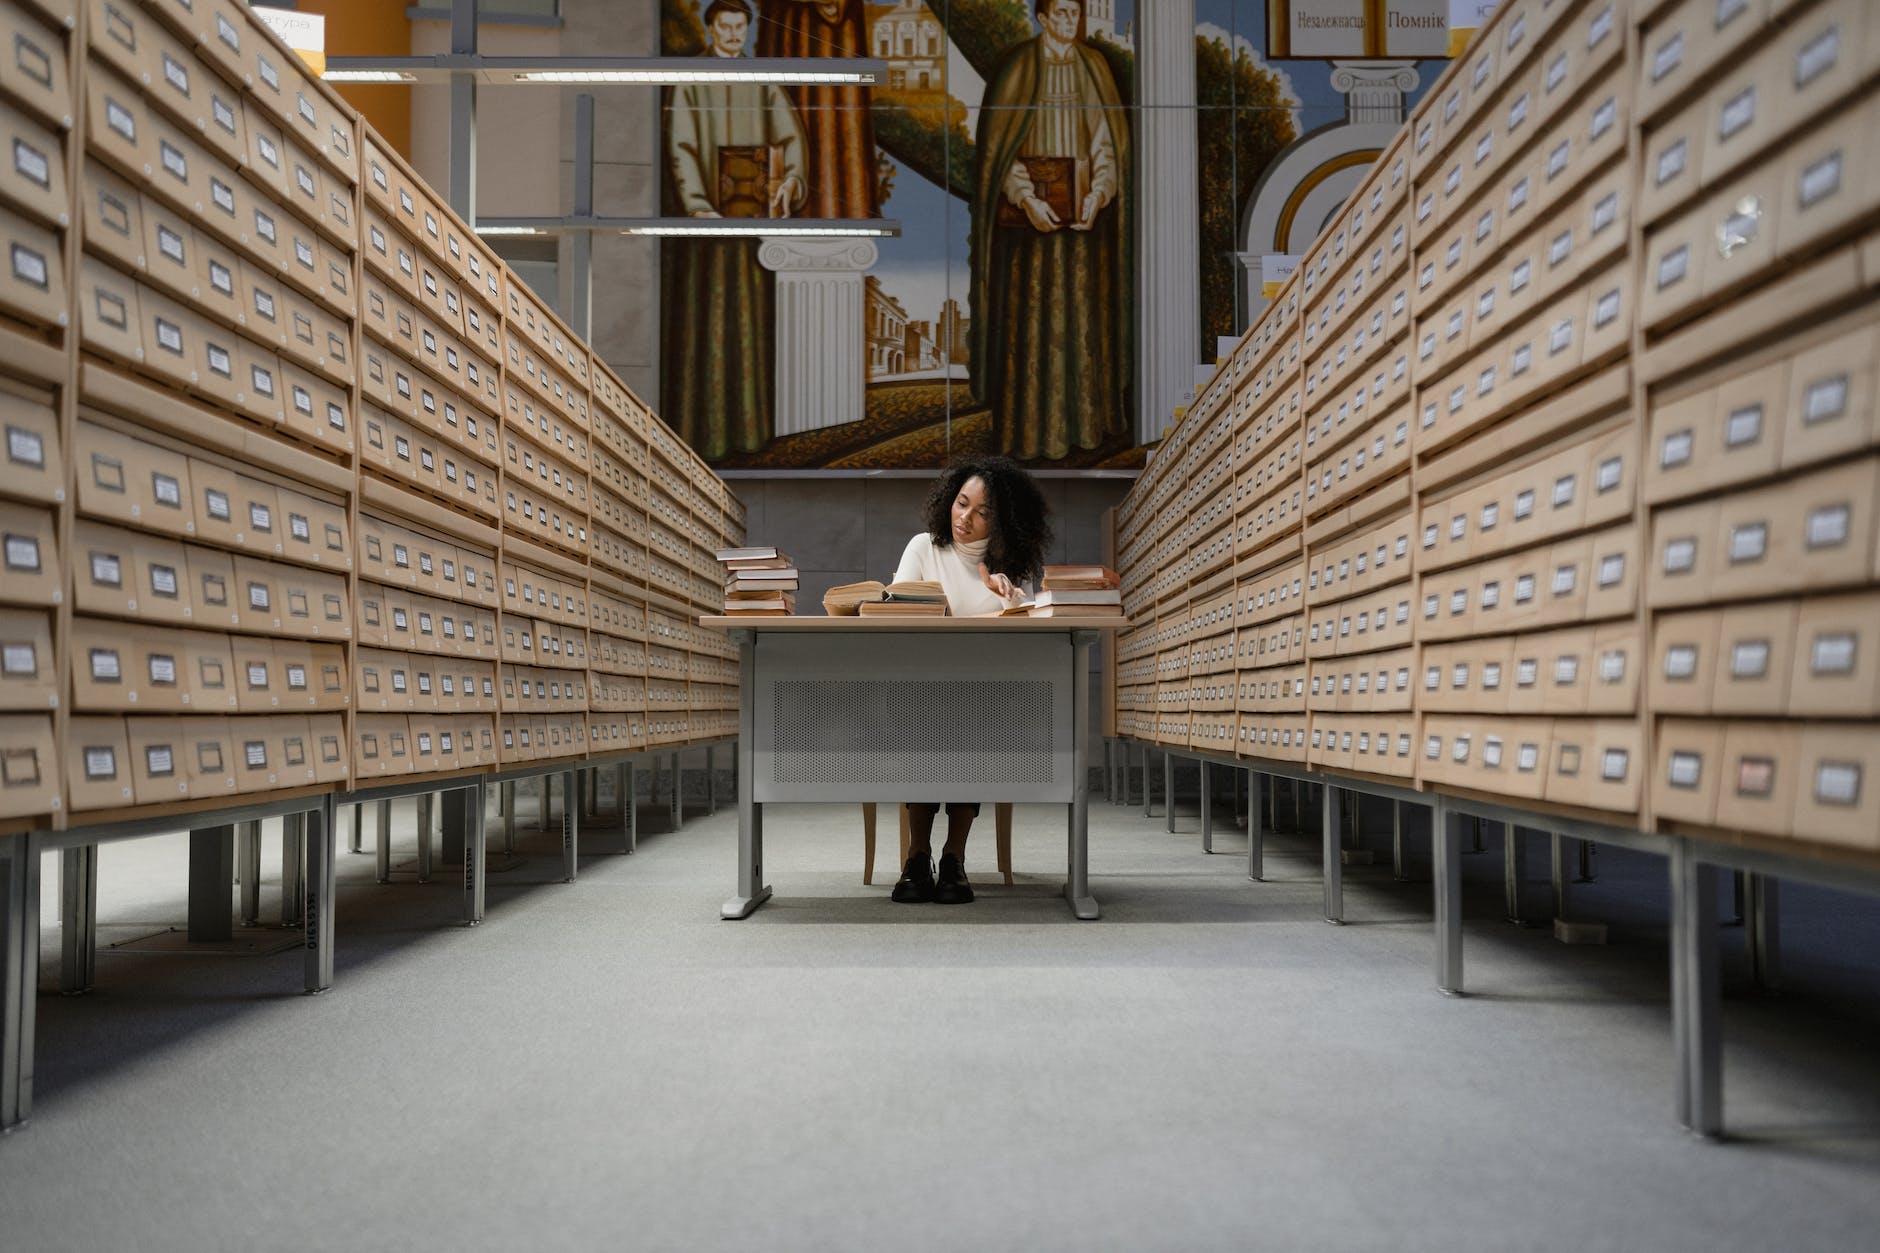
<point>929,709</point>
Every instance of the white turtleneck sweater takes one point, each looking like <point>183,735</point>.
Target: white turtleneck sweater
<point>956,569</point>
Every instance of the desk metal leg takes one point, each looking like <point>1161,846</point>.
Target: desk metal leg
<point>1077,885</point>
<point>1696,1001</point>
<point>1396,842</point>
<point>1207,813</point>
<point>1761,928</point>
<point>1256,828</point>
<point>383,853</point>
<point>570,823</point>
<point>78,930</point>
<point>19,975</point>
<point>1446,878</point>
<point>248,872</point>
<point>1513,871</point>
<point>1168,790</point>
<point>293,862</point>
<point>320,883</point>
<point>1334,858</point>
<point>752,890</point>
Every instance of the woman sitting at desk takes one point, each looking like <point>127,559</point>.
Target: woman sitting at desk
<point>987,530</point>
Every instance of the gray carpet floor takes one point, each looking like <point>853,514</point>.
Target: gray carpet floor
<point>606,1064</point>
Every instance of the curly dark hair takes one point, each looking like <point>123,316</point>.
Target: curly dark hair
<point>1021,519</point>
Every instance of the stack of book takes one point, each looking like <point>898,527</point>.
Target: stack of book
<point>846,601</point>
<point>758,580</point>
<point>1078,592</point>
<point>910,599</point>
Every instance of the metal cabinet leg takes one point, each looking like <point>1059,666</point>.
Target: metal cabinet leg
<point>248,872</point>
<point>383,853</point>
<point>355,843</point>
<point>1148,806</point>
<point>1761,929</point>
<point>1446,879</point>
<point>546,782</point>
<point>509,819</point>
<point>1168,789</point>
<point>1334,859</point>
<point>293,863</point>
<point>678,792</point>
<point>320,886</point>
<point>711,779</point>
<point>1256,833</point>
<point>211,878</point>
<point>464,814</point>
<point>630,798</point>
<point>1207,812</point>
<point>454,825</point>
<point>1696,999</point>
<point>427,814</point>
<point>78,920</point>
<point>1396,842</point>
<point>1513,871</point>
<point>623,801</point>
<point>570,824</point>
<point>19,975</point>
<point>1567,931</point>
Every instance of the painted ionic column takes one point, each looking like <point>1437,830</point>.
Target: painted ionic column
<point>1168,233</point>
<point>821,366</point>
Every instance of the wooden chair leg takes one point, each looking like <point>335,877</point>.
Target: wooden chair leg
<point>868,842</point>
<point>1002,819</point>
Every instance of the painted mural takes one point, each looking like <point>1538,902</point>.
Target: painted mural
<point>1004,316</point>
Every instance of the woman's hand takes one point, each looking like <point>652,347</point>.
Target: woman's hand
<point>1000,585</point>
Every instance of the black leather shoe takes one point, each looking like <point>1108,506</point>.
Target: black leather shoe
<point>952,887</point>
<point>916,884</point>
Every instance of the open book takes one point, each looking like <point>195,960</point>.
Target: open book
<point>845,601</point>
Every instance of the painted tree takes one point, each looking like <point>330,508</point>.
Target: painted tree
<point>1245,120</point>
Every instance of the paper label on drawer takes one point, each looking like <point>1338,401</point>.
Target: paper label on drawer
<point>1685,770</point>
<point>1821,180</point>
<point>1431,605</point>
<point>1832,654</point>
<point>223,114</point>
<point>1557,71</point>
<point>173,160</point>
<point>264,226</point>
<point>258,596</point>
<point>1517,111</point>
<point>1607,309</point>
<point>1610,474</point>
<point>1564,488</point>
<point>1671,162</point>
<point>163,670</point>
<point>159,760</point>
<point>1679,555</point>
<point>1459,675</point>
<point>29,266</point>
<point>1817,55</point>
<point>163,580</point>
<point>1523,589</point>
<point>1749,542</point>
<point>120,119</point>
<point>1491,752</point>
<point>1485,303</point>
<point>1739,111</point>
<point>1749,659</point>
<point>1828,526</point>
<point>1613,764</point>
<point>105,666</point>
<point>1561,337</point>
<point>1837,783</point>
<point>1825,399</point>
<point>220,361</point>
<point>25,447</point>
<point>1669,56</point>
<point>1491,675</point>
<point>1484,147</point>
<point>1566,670</point>
<point>1426,205</point>
<point>1458,526</point>
<point>1524,504</point>
<point>1675,449</point>
<point>1566,578</point>
<point>105,570</point>
<point>31,163</point>
<point>1401,547</point>
<point>257,674</point>
<point>1604,117</point>
<point>1680,661</point>
<point>1433,747</point>
<point>255,753</point>
<point>1517,196</point>
<point>260,516</point>
<point>1612,666</point>
<point>1612,570</point>
<point>1491,594</point>
<point>19,659</point>
<point>1430,535</point>
<point>1726,12</point>
<point>101,763</point>
<point>1558,158</point>
<point>1452,255</point>
<point>1460,750</point>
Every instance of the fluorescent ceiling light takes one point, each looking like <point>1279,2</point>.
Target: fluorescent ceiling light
<point>507,230</point>
<point>757,227</point>
<point>691,76</point>
<point>369,76</point>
